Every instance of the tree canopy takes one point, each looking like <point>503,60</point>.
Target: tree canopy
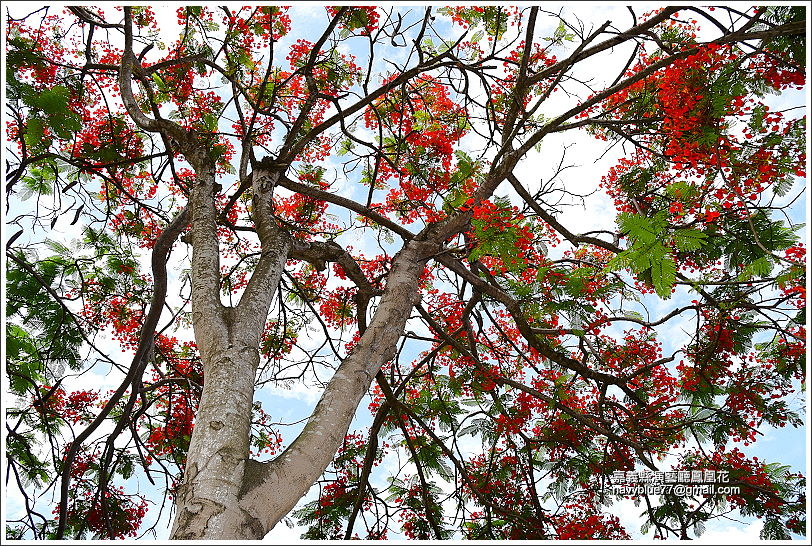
<point>380,205</point>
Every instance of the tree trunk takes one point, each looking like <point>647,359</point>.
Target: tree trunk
<point>272,489</point>
<point>225,495</point>
<point>207,502</point>
<point>228,340</point>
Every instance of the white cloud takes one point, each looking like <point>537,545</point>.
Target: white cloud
<point>285,534</point>
<point>298,390</point>
<point>724,532</point>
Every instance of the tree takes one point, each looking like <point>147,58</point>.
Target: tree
<point>366,186</point>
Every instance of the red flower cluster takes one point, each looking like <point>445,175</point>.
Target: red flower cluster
<point>78,405</point>
<point>111,515</point>
<point>419,149</point>
<point>758,490</point>
<point>360,19</point>
<point>581,521</point>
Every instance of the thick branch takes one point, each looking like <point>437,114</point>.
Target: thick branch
<point>205,272</point>
<point>289,476</point>
<point>145,342</point>
<point>275,242</point>
<point>789,29</point>
<point>125,77</point>
<point>550,219</point>
<point>349,204</point>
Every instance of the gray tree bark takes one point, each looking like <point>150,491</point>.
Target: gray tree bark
<point>224,494</point>
<point>228,340</point>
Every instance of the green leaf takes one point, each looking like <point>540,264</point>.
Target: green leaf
<point>774,530</point>
<point>23,367</point>
<point>642,228</point>
<point>32,186</point>
<point>34,134</point>
<point>663,276</point>
<point>58,247</point>
<point>619,261</point>
<point>126,467</point>
<point>689,239</point>
<point>53,100</point>
<point>159,82</point>
<point>210,121</point>
<point>345,146</point>
<point>19,448</point>
<point>761,267</point>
